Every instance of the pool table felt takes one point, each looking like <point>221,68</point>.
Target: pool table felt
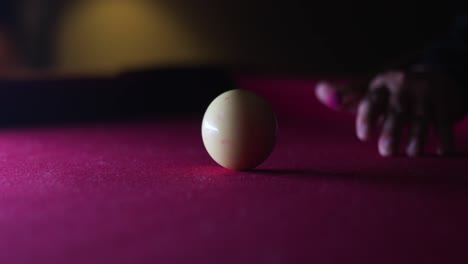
<point>147,192</point>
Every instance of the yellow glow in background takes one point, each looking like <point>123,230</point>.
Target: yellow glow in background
<point>109,36</point>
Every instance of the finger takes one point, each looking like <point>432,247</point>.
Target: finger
<point>369,111</point>
<point>419,127</point>
<point>340,97</point>
<point>418,135</point>
<point>396,115</point>
<point>328,95</point>
<point>444,129</point>
<point>391,133</point>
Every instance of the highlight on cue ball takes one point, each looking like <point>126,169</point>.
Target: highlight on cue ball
<point>239,129</point>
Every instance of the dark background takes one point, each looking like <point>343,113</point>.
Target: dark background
<point>310,36</point>
<point>306,37</point>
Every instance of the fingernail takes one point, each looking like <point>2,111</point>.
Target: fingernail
<point>362,131</point>
<point>385,148</point>
<point>321,91</point>
<point>327,95</point>
<point>413,149</point>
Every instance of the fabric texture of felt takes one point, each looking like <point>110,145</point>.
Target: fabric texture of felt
<point>148,192</point>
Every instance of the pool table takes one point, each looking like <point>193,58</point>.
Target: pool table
<point>142,189</point>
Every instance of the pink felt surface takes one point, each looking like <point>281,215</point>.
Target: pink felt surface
<point>147,192</point>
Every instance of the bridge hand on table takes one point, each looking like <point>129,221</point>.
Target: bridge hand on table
<point>391,100</point>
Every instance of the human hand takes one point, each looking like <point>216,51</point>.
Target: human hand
<point>394,99</point>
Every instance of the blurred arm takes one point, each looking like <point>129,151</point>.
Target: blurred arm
<point>449,54</point>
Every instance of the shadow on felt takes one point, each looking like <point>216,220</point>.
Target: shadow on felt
<point>393,178</point>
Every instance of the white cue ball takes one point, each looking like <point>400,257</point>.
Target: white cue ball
<point>239,129</point>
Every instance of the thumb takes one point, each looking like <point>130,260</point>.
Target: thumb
<point>340,97</point>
